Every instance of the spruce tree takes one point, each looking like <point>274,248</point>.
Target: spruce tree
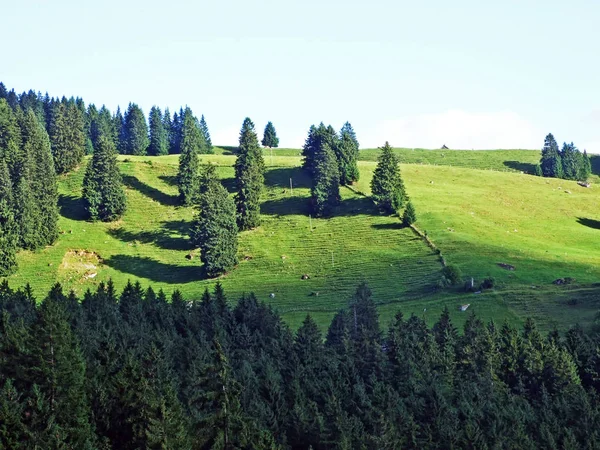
<point>346,151</point>
<point>168,127</point>
<point>8,238</point>
<point>67,136</point>
<point>187,177</point>
<point>119,127</point>
<point>136,131</point>
<point>270,138</point>
<point>103,194</point>
<point>551,162</point>
<point>387,187</point>
<point>42,180</point>
<point>572,162</point>
<point>159,144</point>
<point>214,230</point>
<point>10,140</point>
<point>249,176</point>
<point>175,136</point>
<point>207,143</point>
<point>585,167</point>
<point>410,216</point>
<point>325,190</point>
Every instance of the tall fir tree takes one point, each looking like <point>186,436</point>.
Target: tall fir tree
<point>159,144</point>
<point>8,235</point>
<point>571,161</point>
<point>187,177</point>
<point>346,152</point>
<point>550,162</point>
<point>410,216</point>
<point>136,131</point>
<point>207,142</point>
<point>119,127</point>
<point>317,137</point>
<point>10,140</point>
<point>42,180</point>
<point>176,129</point>
<point>585,167</point>
<point>270,138</point>
<point>387,187</point>
<point>325,190</point>
<point>168,127</point>
<point>103,194</point>
<point>214,229</point>
<point>67,136</point>
<point>249,176</point>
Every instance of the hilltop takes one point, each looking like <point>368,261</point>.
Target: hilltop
<point>477,217</point>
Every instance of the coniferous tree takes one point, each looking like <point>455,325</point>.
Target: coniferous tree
<point>270,138</point>
<point>136,131</point>
<point>168,127</point>
<point>410,216</point>
<point>346,152</point>
<point>249,176</point>
<point>119,127</point>
<point>187,177</point>
<point>207,143</point>
<point>41,180</point>
<point>214,229</point>
<point>317,137</point>
<point>551,162</point>
<point>8,237</point>
<point>10,141</point>
<point>387,187</point>
<point>585,167</point>
<point>325,190</point>
<point>159,144</point>
<point>570,161</point>
<point>67,136</point>
<point>103,194</point>
<point>176,128</point>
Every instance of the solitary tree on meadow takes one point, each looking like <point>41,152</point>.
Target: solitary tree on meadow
<point>187,177</point>
<point>270,138</point>
<point>387,187</point>
<point>249,176</point>
<point>103,194</point>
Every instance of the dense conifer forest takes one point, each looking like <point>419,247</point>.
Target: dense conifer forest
<point>139,370</point>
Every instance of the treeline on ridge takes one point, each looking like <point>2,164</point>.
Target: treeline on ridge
<point>137,371</point>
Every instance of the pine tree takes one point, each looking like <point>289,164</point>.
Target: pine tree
<point>325,190</point>
<point>176,129</point>
<point>119,127</point>
<point>214,230</point>
<point>8,238</point>
<point>570,161</point>
<point>10,141</point>
<point>270,138</point>
<point>67,136</point>
<point>410,216</point>
<point>207,143</point>
<point>168,127</point>
<point>187,177</point>
<point>136,131</point>
<point>346,152</point>
<point>103,194</point>
<point>585,167</point>
<point>41,179</point>
<point>387,187</point>
<point>551,162</point>
<point>159,144</point>
<point>249,176</point>
<point>317,137</point>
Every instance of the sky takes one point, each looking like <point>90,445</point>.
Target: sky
<point>467,74</point>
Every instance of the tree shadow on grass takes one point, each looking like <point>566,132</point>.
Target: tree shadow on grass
<point>71,207</point>
<point>171,180</point>
<point>156,271</point>
<point>388,226</point>
<point>280,178</point>
<point>229,150</point>
<point>590,223</point>
<point>155,194</point>
<point>356,206</point>
<point>229,184</point>
<point>301,206</point>
<point>171,236</point>
<point>521,166</point>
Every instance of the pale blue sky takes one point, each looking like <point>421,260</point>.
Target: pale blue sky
<point>469,74</point>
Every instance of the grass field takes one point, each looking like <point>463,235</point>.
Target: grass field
<point>478,218</point>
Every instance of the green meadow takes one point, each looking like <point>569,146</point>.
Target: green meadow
<point>476,206</point>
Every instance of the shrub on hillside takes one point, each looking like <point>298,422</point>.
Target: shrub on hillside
<point>487,283</point>
<point>452,273</point>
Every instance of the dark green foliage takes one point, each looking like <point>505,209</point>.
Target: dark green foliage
<point>191,141</point>
<point>452,273</point>
<point>8,232</point>
<point>551,162</point>
<point>270,138</point>
<point>206,141</point>
<point>538,171</point>
<point>249,176</point>
<point>585,167</point>
<point>119,127</point>
<point>387,187</point>
<point>346,151</point>
<point>67,135</point>
<point>175,134</point>
<point>159,144</point>
<point>168,127</point>
<point>571,161</point>
<point>317,138</point>
<point>325,190</point>
<point>214,230</point>
<point>410,216</point>
<point>135,131</point>
<point>10,140</point>
<point>103,193</point>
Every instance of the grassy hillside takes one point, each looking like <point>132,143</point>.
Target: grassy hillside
<point>478,218</point>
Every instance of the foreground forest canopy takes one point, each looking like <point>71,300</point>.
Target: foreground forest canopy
<point>138,371</point>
